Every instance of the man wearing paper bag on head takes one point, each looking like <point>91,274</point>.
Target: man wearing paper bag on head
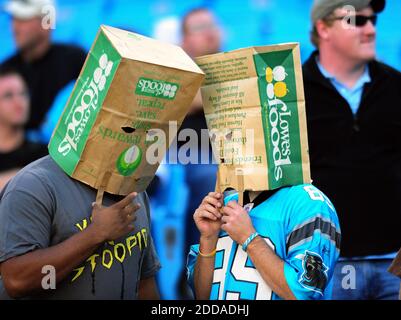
<point>56,242</point>
<point>266,233</point>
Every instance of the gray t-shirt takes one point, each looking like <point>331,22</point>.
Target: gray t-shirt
<point>42,206</point>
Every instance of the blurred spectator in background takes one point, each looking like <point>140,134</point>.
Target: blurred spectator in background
<point>201,35</point>
<point>353,106</point>
<point>46,67</point>
<point>15,151</point>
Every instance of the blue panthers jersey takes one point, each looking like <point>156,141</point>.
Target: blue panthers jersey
<point>300,224</point>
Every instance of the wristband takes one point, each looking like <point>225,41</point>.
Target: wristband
<point>249,240</point>
<point>208,255</point>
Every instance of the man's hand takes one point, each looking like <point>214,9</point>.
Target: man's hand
<point>22,275</point>
<point>236,222</point>
<point>207,216</point>
<point>115,221</point>
<point>208,220</point>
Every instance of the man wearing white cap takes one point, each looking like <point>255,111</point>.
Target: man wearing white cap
<point>353,106</point>
<point>46,67</point>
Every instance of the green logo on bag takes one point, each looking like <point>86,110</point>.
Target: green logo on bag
<point>156,88</point>
<point>129,160</point>
<point>86,104</point>
<point>279,118</point>
<point>279,102</point>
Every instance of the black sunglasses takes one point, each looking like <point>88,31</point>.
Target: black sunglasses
<point>358,20</point>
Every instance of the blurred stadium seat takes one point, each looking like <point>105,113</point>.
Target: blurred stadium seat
<point>168,222</point>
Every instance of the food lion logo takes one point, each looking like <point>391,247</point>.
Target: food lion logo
<point>87,101</point>
<point>278,118</point>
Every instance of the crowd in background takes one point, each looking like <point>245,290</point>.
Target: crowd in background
<point>37,78</point>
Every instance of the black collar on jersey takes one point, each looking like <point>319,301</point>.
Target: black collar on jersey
<point>263,196</point>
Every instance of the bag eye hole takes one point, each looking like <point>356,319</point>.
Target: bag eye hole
<point>128,129</point>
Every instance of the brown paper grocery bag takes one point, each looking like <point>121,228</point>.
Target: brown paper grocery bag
<point>129,90</point>
<point>255,110</point>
